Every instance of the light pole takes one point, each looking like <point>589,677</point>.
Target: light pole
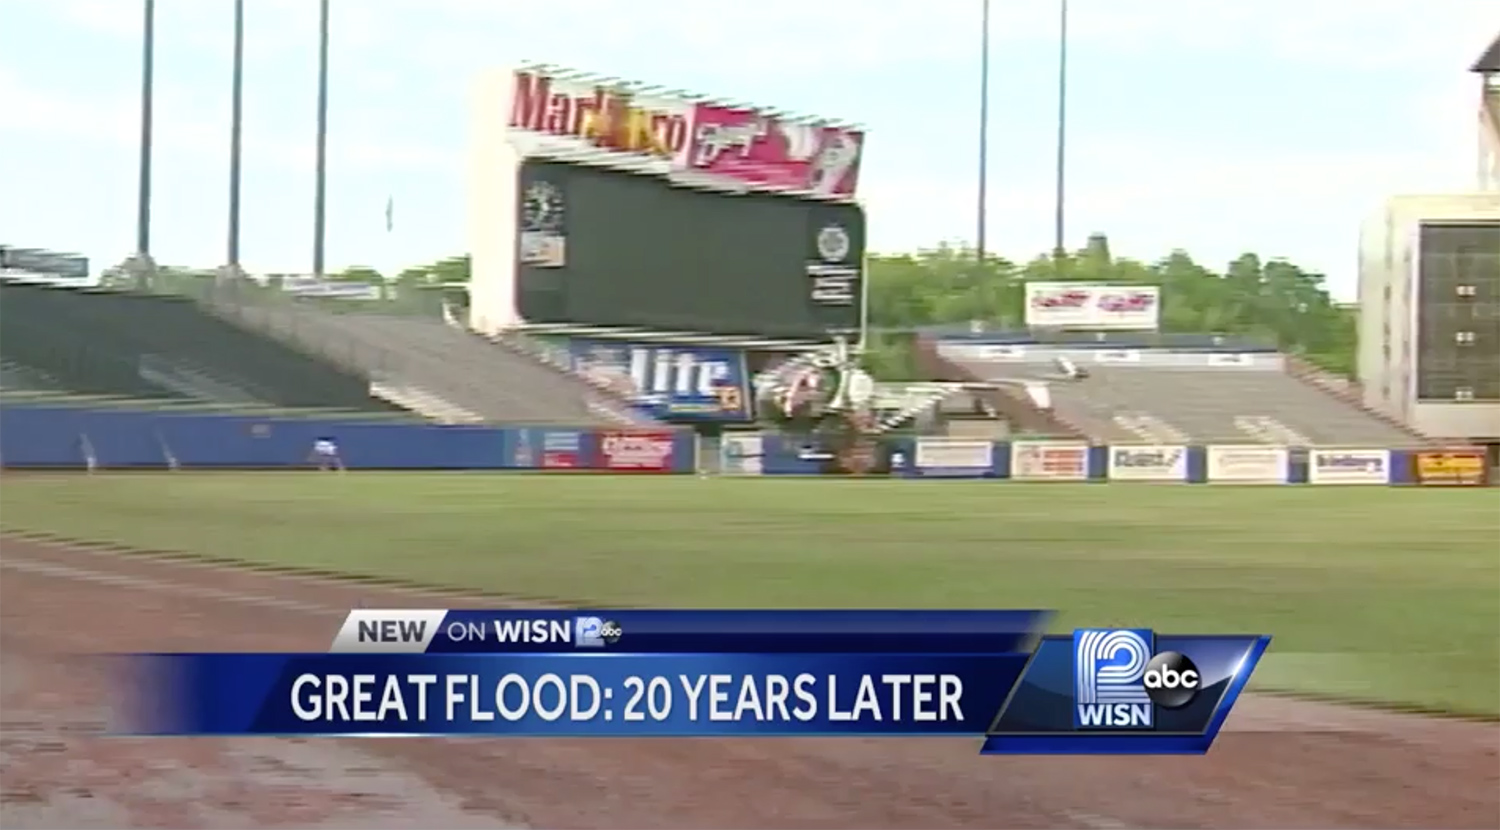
<point>321,172</point>
<point>1059,219</point>
<point>143,194</point>
<point>237,90</point>
<point>984,132</point>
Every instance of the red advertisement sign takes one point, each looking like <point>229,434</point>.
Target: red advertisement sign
<point>1049,461</point>
<point>608,118</point>
<point>561,450</point>
<point>748,146</point>
<point>578,116</point>
<point>1091,306</point>
<point>636,451</point>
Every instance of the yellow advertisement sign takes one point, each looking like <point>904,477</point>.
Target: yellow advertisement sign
<point>1463,468</point>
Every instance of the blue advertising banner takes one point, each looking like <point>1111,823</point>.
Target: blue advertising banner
<point>671,382</point>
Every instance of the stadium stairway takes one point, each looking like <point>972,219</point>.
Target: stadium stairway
<point>1148,428</point>
<point>1011,403</point>
<point>612,400</point>
<point>193,382</point>
<point>466,371</point>
<point>1228,406</point>
<point>1350,392</point>
<point>432,407</point>
<point>15,376</point>
<point>1264,429</point>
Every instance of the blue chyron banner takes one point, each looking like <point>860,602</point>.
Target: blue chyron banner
<point>984,674</point>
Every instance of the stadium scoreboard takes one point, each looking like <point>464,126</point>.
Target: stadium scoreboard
<point>606,247</point>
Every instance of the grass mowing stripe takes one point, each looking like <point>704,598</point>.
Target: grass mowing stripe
<point>1403,585</point>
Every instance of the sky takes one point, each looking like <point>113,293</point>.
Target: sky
<point>1275,126</point>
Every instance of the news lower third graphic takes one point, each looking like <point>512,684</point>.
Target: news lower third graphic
<point>1125,691</point>
<point>429,631</point>
<point>719,673</point>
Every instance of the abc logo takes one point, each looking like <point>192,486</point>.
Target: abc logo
<point>610,631</point>
<point>1172,680</point>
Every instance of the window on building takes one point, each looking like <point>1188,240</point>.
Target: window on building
<point>1457,337</point>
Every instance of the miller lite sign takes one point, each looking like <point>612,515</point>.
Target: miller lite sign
<point>674,383</point>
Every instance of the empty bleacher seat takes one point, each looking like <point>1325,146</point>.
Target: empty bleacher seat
<point>1187,399</point>
<point>131,343</point>
<point>459,371</point>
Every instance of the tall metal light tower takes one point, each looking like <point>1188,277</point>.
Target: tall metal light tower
<point>319,201</point>
<point>1060,216</point>
<point>141,262</point>
<point>984,132</point>
<point>237,96</point>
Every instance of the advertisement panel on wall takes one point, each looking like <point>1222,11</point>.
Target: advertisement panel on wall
<point>37,265</point>
<point>687,139</point>
<point>1049,460</point>
<point>953,457</point>
<point>548,449</point>
<point>636,451</point>
<point>1352,466</point>
<point>1452,467</point>
<point>1148,463</point>
<point>981,352</point>
<point>1092,306</point>
<point>683,383</point>
<point>561,449</point>
<point>1247,464</point>
<point>742,455</point>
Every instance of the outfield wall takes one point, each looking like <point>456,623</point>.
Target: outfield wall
<point>60,437</point>
<point>75,438</point>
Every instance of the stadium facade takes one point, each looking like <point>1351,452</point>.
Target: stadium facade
<point>1429,296</point>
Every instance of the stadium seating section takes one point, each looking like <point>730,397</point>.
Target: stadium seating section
<point>446,372</point>
<point>149,346</point>
<point>1173,389</point>
<point>251,351</point>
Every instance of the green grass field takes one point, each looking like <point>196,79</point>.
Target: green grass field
<point>1375,593</point>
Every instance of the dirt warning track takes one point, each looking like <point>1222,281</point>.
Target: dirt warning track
<point>1281,764</point>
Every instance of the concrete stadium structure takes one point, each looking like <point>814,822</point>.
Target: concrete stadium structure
<point>1429,296</point>
<point>1173,389</point>
<point>254,349</point>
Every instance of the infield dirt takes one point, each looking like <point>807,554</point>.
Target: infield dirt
<point>1281,763</point>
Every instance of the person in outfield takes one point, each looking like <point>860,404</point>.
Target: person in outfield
<point>325,453</point>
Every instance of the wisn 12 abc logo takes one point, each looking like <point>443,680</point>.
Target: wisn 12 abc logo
<point>595,632</point>
<point>1119,679</point>
<point>1124,691</point>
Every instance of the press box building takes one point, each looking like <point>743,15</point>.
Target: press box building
<point>1429,296</point>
